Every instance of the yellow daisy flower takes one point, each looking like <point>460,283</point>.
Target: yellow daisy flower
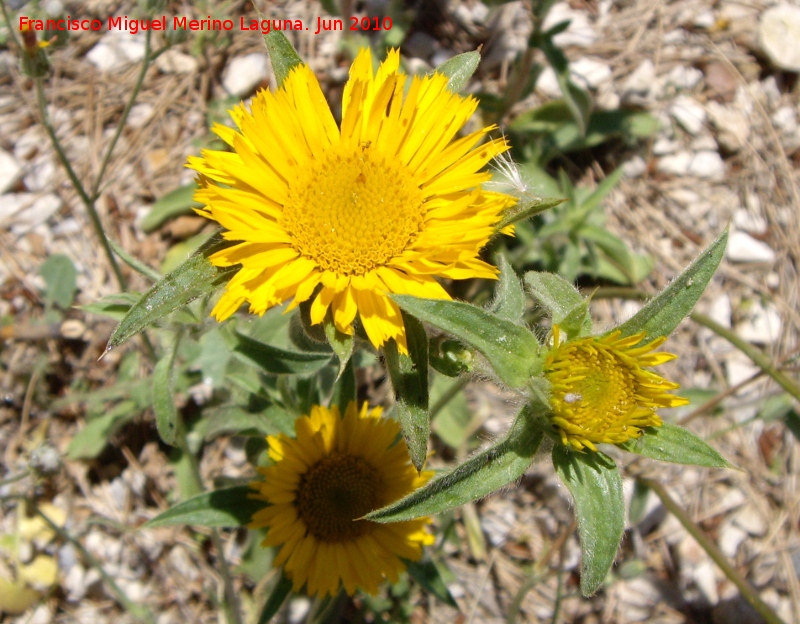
<point>334,472</point>
<point>344,216</point>
<point>600,394</point>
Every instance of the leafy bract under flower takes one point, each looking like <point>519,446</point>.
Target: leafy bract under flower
<point>600,392</point>
<point>334,472</point>
<point>345,216</point>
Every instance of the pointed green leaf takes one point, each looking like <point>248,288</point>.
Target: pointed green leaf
<point>662,314</point>
<point>562,301</point>
<point>342,344</point>
<point>279,361</point>
<point>90,441</point>
<point>230,507</point>
<point>409,375</point>
<point>459,70</point>
<point>192,279</point>
<point>671,443</point>
<point>480,475</point>
<point>527,209</point>
<point>512,351</point>
<point>236,420</point>
<point>276,599</point>
<point>509,298</point>
<point>282,55</point>
<point>594,482</point>
<point>576,98</point>
<point>177,202</point>
<point>164,396</point>
<point>427,574</point>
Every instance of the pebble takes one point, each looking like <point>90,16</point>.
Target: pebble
<point>664,146</point>
<point>707,164</point>
<point>721,310</point>
<point>176,62</point>
<point>779,34</point>
<point>675,164</point>
<point>636,89</point>
<point>761,326</point>
<point>689,114</point>
<point>738,368</point>
<point>684,77</point>
<point>24,211</point>
<point>116,49</point>
<point>140,114</point>
<point>10,171</point>
<point>634,167</point>
<point>744,220</point>
<point>750,520</point>
<point>744,248</point>
<point>244,73</point>
<point>579,33</point>
<point>730,538</point>
<point>704,19</point>
<point>704,143</point>
<point>590,72</point>
<point>41,174</point>
<point>731,127</point>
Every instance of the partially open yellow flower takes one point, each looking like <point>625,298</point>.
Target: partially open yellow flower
<point>334,472</point>
<point>600,392</point>
<point>343,216</point>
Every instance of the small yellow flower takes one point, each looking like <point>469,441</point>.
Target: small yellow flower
<point>600,393</point>
<point>344,216</point>
<point>334,472</point>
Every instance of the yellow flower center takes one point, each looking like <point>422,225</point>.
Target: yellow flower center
<point>333,493</point>
<point>353,210</point>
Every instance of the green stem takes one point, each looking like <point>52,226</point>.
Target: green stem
<point>448,395</point>
<point>140,612</point>
<point>123,118</point>
<point>231,603</point>
<point>15,478</point>
<point>747,591</point>
<point>76,183</point>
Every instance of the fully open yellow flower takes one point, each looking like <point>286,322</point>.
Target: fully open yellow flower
<point>334,472</point>
<point>599,391</point>
<point>384,204</point>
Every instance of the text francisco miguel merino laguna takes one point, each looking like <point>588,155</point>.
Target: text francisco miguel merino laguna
<point>133,26</point>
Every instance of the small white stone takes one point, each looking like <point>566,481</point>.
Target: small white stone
<point>639,84</point>
<point>675,164</point>
<point>116,49</point>
<point>547,84</point>
<point>704,143</point>
<point>664,146</point>
<point>721,310</point>
<point>479,13</point>
<point>689,114</point>
<point>704,576</point>
<point>140,114</point>
<point>704,19</point>
<point>773,280</point>
<point>634,167</point>
<point>579,33</point>
<point>684,77</point>
<point>298,609</point>
<point>751,520</point>
<point>731,126</point>
<point>176,62</point>
<point>730,538</point>
<point>24,211</point>
<point>739,368</point>
<point>779,34</point>
<point>745,220</point>
<point>244,73</point>
<point>41,174</point>
<point>707,164</point>
<point>744,248</point>
<point>590,72</point>
<point>10,171</point>
<point>762,325</point>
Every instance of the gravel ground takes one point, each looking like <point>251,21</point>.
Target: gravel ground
<point>727,151</point>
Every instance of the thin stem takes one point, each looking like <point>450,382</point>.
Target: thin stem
<point>448,395</point>
<point>15,478</point>
<point>123,118</point>
<point>76,183</point>
<point>138,611</point>
<point>747,591</point>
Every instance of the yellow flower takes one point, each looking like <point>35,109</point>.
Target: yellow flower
<point>334,472</point>
<point>600,394</point>
<point>343,216</point>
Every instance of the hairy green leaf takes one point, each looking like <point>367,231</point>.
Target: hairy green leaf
<point>60,278</point>
<point>594,482</point>
<point>164,396</point>
<point>512,351</point>
<point>671,443</point>
<point>229,507</point>
<point>90,441</point>
<point>427,574</point>
<point>279,361</point>
<point>459,70</point>
<point>527,209</point>
<point>282,55</point>
<point>509,298</point>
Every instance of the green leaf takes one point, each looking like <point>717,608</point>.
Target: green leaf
<point>662,314</point>
<point>577,100</point>
<point>454,422</point>
<point>509,298</point>
<point>90,441</point>
<point>480,475</point>
<point>427,574</point>
<point>230,507</point>
<point>237,420</point>
<point>115,306</point>
<point>342,344</point>
<point>164,396</point>
<point>459,70</point>
<point>276,599</point>
<point>136,264</point>
<point>282,55</point>
<point>192,279</point>
<point>175,203</point>
<point>512,351</point>
<point>671,443</point>
<point>344,392</point>
<point>562,301</point>
<point>527,209</point>
<point>409,375</point>
<point>60,278</point>
<point>279,361</point>
<point>594,482</point>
